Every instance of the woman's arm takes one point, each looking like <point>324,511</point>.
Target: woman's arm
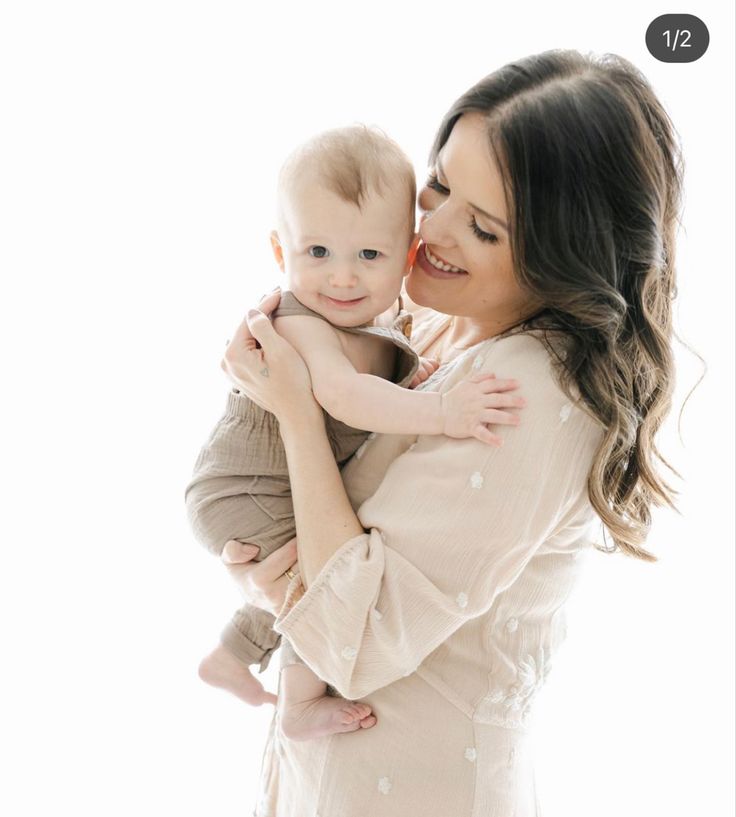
<point>325,517</point>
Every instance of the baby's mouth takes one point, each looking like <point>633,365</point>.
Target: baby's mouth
<point>342,302</point>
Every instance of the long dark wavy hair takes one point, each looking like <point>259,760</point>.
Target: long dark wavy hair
<point>593,174</point>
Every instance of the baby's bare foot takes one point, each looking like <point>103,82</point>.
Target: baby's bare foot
<point>324,716</point>
<point>222,669</point>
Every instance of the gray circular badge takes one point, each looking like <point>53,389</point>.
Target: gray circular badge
<point>677,38</point>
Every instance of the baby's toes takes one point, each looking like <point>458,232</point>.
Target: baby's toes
<point>355,712</point>
<point>349,713</point>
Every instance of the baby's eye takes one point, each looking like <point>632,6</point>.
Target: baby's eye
<point>368,255</point>
<point>318,251</point>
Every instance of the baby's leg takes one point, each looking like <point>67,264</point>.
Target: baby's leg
<point>267,522</point>
<point>247,639</point>
<point>306,711</point>
<point>222,669</point>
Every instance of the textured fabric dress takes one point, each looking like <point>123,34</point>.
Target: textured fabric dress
<point>445,616</point>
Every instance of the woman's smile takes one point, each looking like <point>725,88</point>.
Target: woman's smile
<point>435,266</point>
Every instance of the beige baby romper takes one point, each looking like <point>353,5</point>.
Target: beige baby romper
<point>240,485</point>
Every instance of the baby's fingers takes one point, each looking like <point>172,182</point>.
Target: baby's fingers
<point>503,400</point>
<point>483,434</point>
<point>505,418</point>
<point>492,384</point>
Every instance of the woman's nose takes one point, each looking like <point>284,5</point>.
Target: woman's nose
<point>433,228</point>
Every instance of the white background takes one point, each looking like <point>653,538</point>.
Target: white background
<point>140,146</point>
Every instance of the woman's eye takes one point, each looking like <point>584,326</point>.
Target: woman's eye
<point>434,184</point>
<point>318,251</point>
<point>482,234</point>
<point>368,255</point>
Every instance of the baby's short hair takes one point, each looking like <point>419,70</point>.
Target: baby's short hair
<point>351,162</point>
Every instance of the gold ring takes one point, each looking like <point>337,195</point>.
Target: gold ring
<point>290,573</point>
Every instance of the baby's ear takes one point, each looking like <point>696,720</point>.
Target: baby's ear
<point>412,254</point>
<point>278,252</point>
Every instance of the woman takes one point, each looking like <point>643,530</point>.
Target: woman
<point>547,255</point>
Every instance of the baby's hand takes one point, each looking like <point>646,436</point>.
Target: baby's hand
<point>427,366</point>
<point>472,404</point>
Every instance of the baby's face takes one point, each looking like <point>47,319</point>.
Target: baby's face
<point>345,263</point>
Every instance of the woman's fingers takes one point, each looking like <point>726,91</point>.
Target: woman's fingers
<point>260,327</point>
<point>235,553</point>
<point>243,338</point>
<point>269,302</point>
<point>275,565</point>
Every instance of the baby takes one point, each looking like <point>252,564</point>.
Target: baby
<point>345,241</point>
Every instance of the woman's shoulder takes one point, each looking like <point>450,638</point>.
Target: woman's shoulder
<point>536,358</point>
<point>527,352</point>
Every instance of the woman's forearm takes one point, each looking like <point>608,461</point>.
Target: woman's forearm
<point>325,519</point>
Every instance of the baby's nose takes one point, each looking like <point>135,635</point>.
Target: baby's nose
<point>343,275</point>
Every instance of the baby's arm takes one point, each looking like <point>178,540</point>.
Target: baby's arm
<point>374,404</point>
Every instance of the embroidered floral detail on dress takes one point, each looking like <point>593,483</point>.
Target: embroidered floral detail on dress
<point>462,600</point>
<point>478,361</point>
<point>531,674</point>
<point>471,754</point>
<point>565,412</point>
<point>476,480</point>
<point>349,653</point>
<point>384,785</point>
<point>512,625</point>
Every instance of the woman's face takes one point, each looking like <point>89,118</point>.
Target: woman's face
<point>463,266</point>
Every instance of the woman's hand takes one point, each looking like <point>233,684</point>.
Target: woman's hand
<point>262,584</point>
<point>264,366</point>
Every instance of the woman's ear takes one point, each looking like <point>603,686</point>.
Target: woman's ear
<point>412,254</point>
<point>278,252</point>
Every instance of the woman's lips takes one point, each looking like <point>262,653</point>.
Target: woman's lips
<point>343,304</point>
<point>428,267</point>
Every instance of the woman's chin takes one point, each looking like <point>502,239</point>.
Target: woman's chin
<point>415,286</point>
